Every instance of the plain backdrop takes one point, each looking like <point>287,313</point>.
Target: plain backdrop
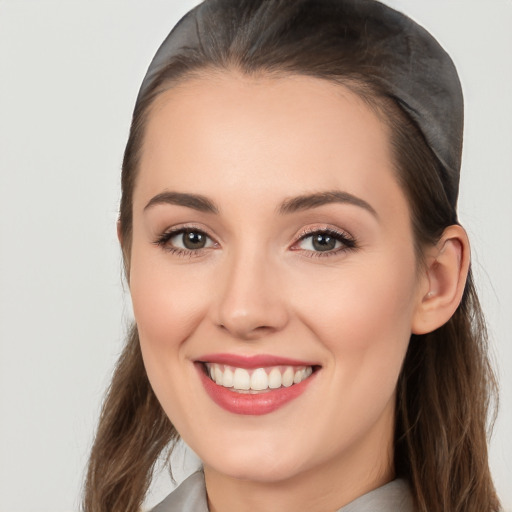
<point>69,74</point>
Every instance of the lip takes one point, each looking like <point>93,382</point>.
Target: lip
<point>252,404</point>
<point>251,362</point>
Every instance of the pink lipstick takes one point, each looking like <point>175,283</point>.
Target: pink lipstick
<point>254,385</point>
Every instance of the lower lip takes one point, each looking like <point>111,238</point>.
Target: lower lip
<point>251,404</point>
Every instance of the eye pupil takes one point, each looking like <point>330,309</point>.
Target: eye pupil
<point>322,242</point>
<point>194,240</point>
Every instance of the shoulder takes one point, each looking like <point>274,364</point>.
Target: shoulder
<point>189,496</point>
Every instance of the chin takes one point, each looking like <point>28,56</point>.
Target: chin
<point>264,472</point>
<point>258,463</point>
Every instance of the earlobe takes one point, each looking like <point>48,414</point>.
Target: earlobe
<point>447,266</point>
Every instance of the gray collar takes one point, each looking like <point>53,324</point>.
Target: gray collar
<point>190,496</point>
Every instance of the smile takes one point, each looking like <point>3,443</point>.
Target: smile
<point>256,380</point>
<point>254,385</point>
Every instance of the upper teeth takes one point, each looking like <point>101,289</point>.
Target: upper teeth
<point>258,379</point>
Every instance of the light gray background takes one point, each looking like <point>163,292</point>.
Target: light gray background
<point>69,74</point>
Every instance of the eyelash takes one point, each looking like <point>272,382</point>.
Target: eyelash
<point>348,243</point>
<point>163,241</point>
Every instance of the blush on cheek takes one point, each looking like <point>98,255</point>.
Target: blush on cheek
<point>165,323</point>
<point>164,308</point>
<point>370,337</point>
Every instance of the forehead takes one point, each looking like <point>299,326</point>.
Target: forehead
<point>232,135</point>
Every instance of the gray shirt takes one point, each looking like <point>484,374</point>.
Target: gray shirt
<point>190,496</point>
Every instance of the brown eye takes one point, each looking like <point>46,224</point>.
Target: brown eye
<point>188,240</point>
<point>194,240</point>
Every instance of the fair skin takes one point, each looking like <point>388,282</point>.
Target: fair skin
<point>257,283</point>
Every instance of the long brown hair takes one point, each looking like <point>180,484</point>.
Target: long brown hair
<point>446,386</point>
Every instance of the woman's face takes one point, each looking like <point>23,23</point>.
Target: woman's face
<point>271,240</point>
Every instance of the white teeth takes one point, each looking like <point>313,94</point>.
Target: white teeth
<point>227,381</point>
<point>299,376</point>
<point>274,378</point>
<point>288,375</point>
<point>218,376</point>
<point>241,379</point>
<point>259,379</point>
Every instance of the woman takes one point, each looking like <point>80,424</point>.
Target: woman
<point>305,315</point>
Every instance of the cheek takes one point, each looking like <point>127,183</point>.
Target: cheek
<point>363,317</point>
<point>166,306</point>
<point>364,322</point>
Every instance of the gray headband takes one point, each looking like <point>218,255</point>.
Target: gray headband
<point>416,70</point>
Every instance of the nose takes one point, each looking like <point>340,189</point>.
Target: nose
<point>251,302</point>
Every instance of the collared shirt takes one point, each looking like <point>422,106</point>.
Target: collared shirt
<point>190,496</point>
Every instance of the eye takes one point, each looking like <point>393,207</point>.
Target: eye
<point>191,240</point>
<point>325,241</point>
<point>319,242</point>
<point>185,240</point>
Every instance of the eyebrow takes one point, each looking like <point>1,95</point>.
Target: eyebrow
<point>194,201</point>
<point>305,202</point>
<point>295,204</point>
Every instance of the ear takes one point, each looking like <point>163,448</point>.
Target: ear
<point>446,271</point>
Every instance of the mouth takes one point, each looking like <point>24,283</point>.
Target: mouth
<point>255,385</point>
<point>257,380</point>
